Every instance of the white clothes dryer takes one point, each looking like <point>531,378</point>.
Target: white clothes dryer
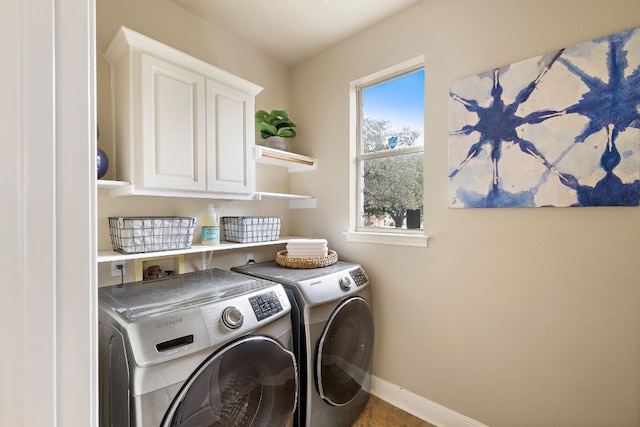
<point>209,348</point>
<point>333,338</point>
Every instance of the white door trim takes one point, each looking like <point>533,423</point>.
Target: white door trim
<point>38,255</point>
<point>76,215</point>
<point>48,255</point>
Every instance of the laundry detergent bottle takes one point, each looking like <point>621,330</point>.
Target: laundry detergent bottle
<point>210,226</point>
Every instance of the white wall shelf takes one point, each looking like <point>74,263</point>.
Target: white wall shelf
<point>132,190</point>
<point>296,201</point>
<point>292,161</point>
<point>123,189</point>
<point>109,256</point>
<point>107,184</point>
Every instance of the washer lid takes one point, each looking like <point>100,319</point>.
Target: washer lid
<point>137,300</point>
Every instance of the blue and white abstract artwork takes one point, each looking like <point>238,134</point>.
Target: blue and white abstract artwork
<point>561,129</point>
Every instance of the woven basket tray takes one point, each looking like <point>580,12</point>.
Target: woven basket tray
<point>306,262</point>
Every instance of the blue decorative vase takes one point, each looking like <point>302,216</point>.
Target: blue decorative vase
<point>103,163</point>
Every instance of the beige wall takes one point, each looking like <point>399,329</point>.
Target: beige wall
<point>172,25</point>
<point>513,317</point>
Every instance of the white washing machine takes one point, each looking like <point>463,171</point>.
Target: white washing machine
<point>333,338</point>
<point>209,348</point>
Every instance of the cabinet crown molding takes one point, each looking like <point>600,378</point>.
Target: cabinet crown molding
<point>126,39</point>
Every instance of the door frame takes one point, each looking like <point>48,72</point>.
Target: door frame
<point>49,190</point>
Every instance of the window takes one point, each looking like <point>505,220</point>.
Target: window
<point>388,164</point>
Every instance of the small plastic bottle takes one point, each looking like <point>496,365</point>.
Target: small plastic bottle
<point>210,227</point>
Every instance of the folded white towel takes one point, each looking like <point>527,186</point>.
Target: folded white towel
<point>319,248</point>
<point>307,248</point>
<point>304,248</point>
<point>308,253</point>
<point>307,242</point>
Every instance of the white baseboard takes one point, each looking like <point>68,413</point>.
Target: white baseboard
<point>422,408</point>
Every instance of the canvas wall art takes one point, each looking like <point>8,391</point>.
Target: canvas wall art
<point>561,129</point>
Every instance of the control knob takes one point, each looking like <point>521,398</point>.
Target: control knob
<point>345,283</point>
<point>232,317</point>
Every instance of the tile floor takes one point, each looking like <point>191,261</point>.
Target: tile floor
<point>379,413</point>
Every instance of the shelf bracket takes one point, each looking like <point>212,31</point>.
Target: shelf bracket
<point>206,260</point>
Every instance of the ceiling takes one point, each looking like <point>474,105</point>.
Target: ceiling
<point>293,30</point>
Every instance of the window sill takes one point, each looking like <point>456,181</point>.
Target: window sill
<point>399,239</point>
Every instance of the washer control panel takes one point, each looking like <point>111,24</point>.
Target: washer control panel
<point>232,317</point>
<point>242,314</point>
<point>265,305</point>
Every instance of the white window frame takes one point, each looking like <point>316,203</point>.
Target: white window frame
<point>415,238</point>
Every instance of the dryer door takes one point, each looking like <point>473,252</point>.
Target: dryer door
<point>250,382</point>
<point>343,360</point>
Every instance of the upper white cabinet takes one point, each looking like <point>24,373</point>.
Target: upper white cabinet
<point>230,159</point>
<point>182,126</point>
<point>173,145</point>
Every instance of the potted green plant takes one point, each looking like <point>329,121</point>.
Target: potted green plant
<point>274,127</point>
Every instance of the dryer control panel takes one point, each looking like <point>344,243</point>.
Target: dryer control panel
<point>359,276</point>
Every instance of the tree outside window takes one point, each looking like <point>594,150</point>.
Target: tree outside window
<point>391,152</point>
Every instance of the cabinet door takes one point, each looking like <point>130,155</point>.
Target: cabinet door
<point>230,139</point>
<point>173,133</point>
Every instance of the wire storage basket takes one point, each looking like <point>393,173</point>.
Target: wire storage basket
<point>132,235</point>
<point>251,229</point>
